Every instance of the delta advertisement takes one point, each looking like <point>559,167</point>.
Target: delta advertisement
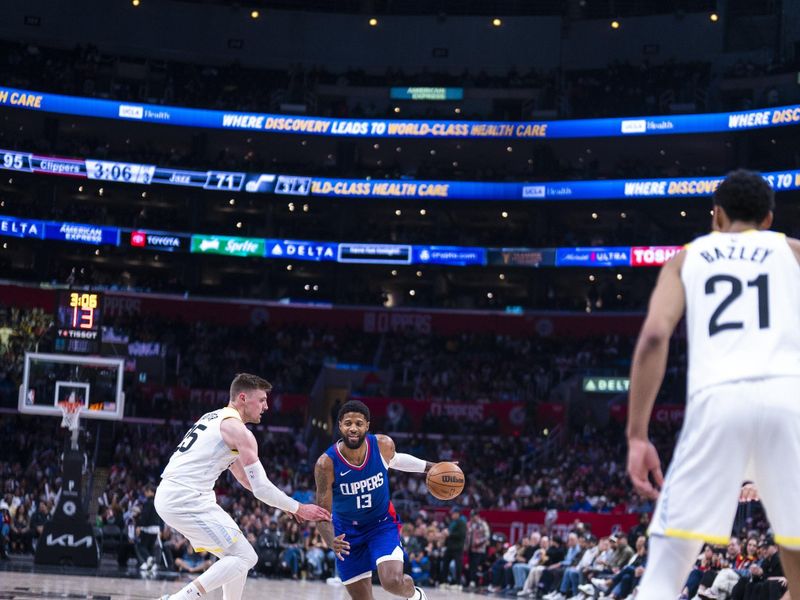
<point>344,252</point>
<point>367,128</point>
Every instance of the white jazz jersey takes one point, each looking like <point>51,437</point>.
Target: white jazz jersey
<point>742,308</point>
<point>202,455</point>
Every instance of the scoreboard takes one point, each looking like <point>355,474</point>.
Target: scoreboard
<point>79,317</point>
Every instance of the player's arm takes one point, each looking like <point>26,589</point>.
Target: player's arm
<point>239,438</point>
<point>399,460</point>
<point>238,471</point>
<point>323,476</point>
<point>667,305</point>
<point>795,246</point>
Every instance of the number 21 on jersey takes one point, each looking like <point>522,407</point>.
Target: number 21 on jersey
<point>761,283</point>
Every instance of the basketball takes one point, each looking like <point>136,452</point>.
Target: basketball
<point>445,480</point>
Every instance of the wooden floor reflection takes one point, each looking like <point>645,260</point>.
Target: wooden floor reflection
<point>29,586</point>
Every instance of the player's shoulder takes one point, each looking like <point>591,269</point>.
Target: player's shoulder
<point>324,463</point>
<point>384,441</point>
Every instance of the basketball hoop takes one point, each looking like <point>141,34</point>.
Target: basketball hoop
<point>70,414</point>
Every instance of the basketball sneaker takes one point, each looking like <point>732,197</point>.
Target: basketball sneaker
<point>419,594</point>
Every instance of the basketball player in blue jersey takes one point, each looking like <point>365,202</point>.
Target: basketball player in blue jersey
<point>353,483</point>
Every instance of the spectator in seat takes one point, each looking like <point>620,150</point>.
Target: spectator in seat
<point>454,546</point>
<point>536,563</point>
<point>478,535</point>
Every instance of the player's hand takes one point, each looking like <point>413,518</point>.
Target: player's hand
<point>341,547</point>
<point>748,493</point>
<point>643,462</point>
<point>312,512</point>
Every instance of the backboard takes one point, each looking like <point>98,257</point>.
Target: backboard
<point>93,381</point>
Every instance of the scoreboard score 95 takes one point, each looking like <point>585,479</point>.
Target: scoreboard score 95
<point>78,320</point>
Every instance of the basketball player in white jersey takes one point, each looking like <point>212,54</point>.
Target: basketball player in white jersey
<point>185,497</point>
<point>740,288</point>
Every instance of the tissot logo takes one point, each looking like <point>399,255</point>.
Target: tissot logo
<point>138,239</point>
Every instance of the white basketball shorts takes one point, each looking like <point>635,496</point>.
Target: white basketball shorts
<point>197,516</point>
<point>744,430</point>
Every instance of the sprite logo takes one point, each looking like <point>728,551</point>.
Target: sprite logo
<point>230,246</point>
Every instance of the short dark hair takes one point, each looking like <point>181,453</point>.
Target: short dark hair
<point>353,406</point>
<point>745,196</point>
<point>245,382</point>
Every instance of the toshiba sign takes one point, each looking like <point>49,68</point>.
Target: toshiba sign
<point>651,256</point>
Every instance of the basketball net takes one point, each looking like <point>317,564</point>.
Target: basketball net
<point>70,413</point>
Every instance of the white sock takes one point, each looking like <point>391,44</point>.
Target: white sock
<point>190,592</point>
<point>669,561</point>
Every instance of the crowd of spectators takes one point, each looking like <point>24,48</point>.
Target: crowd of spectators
<point>455,368</point>
<point>455,548</point>
<point>87,71</point>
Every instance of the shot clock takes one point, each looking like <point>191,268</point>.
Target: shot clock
<point>78,321</point>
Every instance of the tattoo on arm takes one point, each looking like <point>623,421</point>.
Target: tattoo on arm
<point>323,473</point>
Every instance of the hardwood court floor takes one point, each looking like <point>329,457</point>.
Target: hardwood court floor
<point>32,586</point>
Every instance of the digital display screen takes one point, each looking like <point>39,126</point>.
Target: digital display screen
<point>426,93</point>
<point>79,319</point>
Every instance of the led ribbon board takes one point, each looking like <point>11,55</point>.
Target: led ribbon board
<point>368,128</point>
<point>327,187</point>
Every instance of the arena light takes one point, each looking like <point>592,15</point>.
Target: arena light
<point>397,109</point>
<point>238,224</point>
<point>615,24</point>
<point>412,293</point>
<point>497,22</point>
<point>232,201</point>
<point>398,212</point>
<point>504,214</point>
<point>619,276</point>
<point>713,17</point>
<point>254,14</point>
<point>502,276</point>
<point>423,212</point>
<point>289,267</point>
<point>373,22</point>
<point>135,2</point>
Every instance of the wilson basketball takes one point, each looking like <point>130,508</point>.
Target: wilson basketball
<point>445,480</point>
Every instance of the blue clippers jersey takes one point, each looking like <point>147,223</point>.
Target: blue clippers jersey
<point>360,494</point>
